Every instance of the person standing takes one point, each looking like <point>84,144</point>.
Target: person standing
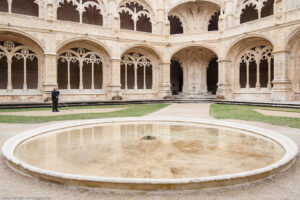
<point>55,94</point>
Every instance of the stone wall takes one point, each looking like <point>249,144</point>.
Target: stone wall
<point>49,37</point>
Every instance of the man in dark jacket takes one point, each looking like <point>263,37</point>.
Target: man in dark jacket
<point>55,94</point>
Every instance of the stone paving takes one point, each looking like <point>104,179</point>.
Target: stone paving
<point>278,113</point>
<point>69,111</point>
<point>284,186</point>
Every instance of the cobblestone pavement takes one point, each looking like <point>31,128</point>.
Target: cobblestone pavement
<point>284,186</point>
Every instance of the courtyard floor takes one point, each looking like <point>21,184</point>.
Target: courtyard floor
<point>284,186</point>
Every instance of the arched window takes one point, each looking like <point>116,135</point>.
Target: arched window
<point>134,16</point>
<point>214,22</point>
<point>268,8</point>
<point>136,72</point>
<point>82,11</point>
<point>79,68</point>
<point>18,66</point>
<point>257,68</point>
<point>25,7</point>
<point>67,11</point>
<point>256,9</point>
<point>3,6</point>
<point>250,13</point>
<point>175,25</point>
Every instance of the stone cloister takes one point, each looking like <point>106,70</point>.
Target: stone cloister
<point>95,50</point>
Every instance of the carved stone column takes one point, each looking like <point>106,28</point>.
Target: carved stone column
<point>160,17</point>
<point>9,5</point>
<point>229,18</point>
<point>114,16</point>
<point>49,75</point>
<point>115,84</point>
<point>165,85</point>
<point>224,86</point>
<point>81,75</point>
<point>282,86</point>
<point>9,83</point>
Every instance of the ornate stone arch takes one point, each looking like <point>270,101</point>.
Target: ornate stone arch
<point>173,4</point>
<point>256,55</point>
<point>138,61</point>
<point>104,49</point>
<point>149,49</point>
<point>18,54</point>
<point>235,45</point>
<point>22,37</point>
<point>193,45</point>
<point>292,44</point>
<point>291,36</point>
<point>85,54</point>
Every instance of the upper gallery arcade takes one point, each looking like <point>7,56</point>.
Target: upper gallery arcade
<point>95,50</point>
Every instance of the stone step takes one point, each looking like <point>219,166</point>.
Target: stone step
<point>191,100</point>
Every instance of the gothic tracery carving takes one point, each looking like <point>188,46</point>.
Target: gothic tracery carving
<point>255,5</point>
<point>136,11</point>
<point>257,55</point>
<point>11,49</point>
<point>81,6</point>
<point>136,60</point>
<point>82,56</point>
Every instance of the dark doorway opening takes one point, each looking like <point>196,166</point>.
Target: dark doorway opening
<point>212,76</point>
<point>176,77</point>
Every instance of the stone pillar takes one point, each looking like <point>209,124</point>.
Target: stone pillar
<point>80,16</point>
<point>81,75</point>
<point>282,86</point>
<point>165,85</point>
<point>229,18</point>
<point>221,21</point>
<point>113,15</point>
<point>224,86</point>
<point>69,75</point>
<point>160,13</point>
<point>49,75</point>
<point>109,15</point>
<point>115,83</point>
<point>9,82</point>
<point>25,75</point>
<point>135,76</point>
<point>257,74</point>
<point>41,8</point>
<point>9,5</point>
<point>93,76</point>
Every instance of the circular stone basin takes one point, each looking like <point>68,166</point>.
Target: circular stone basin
<point>150,154</point>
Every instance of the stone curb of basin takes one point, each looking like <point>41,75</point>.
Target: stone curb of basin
<point>291,151</point>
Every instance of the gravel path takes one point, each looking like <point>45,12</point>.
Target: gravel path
<point>285,186</point>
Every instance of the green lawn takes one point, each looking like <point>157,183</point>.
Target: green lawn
<point>131,111</point>
<point>248,113</point>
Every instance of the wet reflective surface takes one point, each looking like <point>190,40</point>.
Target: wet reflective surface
<point>174,151</point>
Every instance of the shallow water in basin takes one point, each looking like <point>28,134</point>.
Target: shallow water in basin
<point>174,151</point>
